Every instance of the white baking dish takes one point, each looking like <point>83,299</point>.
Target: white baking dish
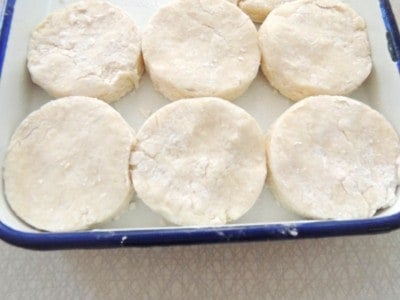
<point>139,225</point>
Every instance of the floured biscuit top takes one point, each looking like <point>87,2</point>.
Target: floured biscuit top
<point>332,157</point>
<point>259,9</point>
<point>90,48</point>
<point>67,166</point>
<point>201,48</point>
<point>314,47</point>
<point>199,162</point>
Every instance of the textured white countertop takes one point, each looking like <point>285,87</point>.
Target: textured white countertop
<point>366,267</point>
<point>340,268</point>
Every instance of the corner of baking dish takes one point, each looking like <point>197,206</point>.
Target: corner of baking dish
<point>196,235</point>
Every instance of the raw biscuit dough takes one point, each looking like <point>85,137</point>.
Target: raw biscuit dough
<point>314,47</point>
<point>332,157</point>
<point>67,166</point>
<point>259,9</point>
<point>201,48</point>
<point>199,162</point>
<point>90,48</point>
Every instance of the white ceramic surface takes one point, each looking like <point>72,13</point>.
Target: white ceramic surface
<point>366,267</point>
<point>19,96</point>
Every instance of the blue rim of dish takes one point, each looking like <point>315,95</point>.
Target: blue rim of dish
<point>181,236</point>
<point>392,29</point>
<point>6,16</point>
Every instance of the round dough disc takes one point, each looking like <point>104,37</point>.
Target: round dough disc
<point>199,162</point>
<point>332,157</point>
<point>314,47</point>
<point>201,48</point>
<point>67,166</point>
<point>90,48</point>
<point>259,9</point>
